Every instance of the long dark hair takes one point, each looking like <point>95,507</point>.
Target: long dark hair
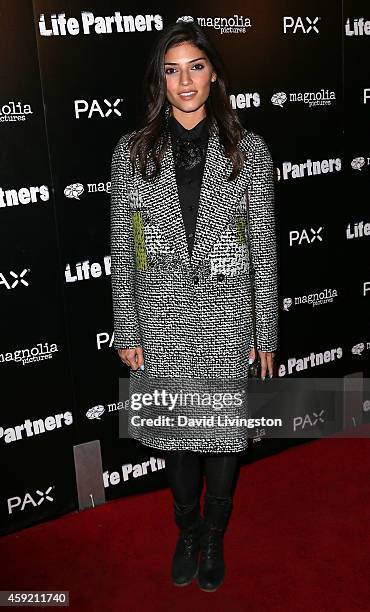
<point>148,143</point>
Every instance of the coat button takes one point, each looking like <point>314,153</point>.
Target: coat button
<point>220,277</point>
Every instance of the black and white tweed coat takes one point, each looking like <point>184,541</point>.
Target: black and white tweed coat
<point>192,316</point>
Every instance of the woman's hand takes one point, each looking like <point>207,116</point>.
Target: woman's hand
<point>267,361</point>
<point>132,357</point>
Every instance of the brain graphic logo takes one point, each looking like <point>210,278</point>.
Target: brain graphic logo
<point>95,412</point>
<point>279,98</point>
<point>185,18</point>
<point>358,348</point>
<point>287,302</point>
<point>357,163</point>
<point>74,191</point>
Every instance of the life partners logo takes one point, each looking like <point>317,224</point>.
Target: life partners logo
<point>357,26</point>
<point>57,24</point>
<point>323,97</point>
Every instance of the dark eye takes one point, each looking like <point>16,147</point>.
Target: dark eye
<point>198,66</point>
<point>169,70</point>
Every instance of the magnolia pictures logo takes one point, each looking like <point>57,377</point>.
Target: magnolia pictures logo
<point>325,296</point>
<point>237,24</point>
<point>323,97</point>
<point>38,352</point>
<point>75,190</point>
<point>96,412</point>
<point>12,112</point>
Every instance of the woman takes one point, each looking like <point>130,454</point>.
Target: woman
<point>180,276</point>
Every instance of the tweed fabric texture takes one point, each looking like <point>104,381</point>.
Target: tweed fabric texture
<point>191,314</point>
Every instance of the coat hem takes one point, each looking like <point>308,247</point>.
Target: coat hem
<point>199,445</point>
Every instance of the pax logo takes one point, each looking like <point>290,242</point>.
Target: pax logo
<point>13,279</point>
<point>301,25</point>
<point>300,423</point>
<point>305,236</point>
<point>103,109</point>
<point>33,500</point>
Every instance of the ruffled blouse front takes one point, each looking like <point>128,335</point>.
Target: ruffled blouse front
<point>189,149</point>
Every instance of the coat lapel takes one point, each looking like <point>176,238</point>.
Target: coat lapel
<point>217,202</point>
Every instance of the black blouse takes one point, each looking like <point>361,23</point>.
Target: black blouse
<point>189,151</point>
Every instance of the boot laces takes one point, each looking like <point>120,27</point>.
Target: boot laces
<point>189,544</point>
<point>212,545</point>
<point>190,540</point>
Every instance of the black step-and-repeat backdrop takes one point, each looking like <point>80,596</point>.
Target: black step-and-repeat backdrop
<point>71,75</point>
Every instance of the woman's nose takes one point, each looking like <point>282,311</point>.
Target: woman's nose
<point>185,78</point>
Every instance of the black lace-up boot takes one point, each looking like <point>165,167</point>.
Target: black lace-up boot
<point>185,559</point>
<point>211,568</point>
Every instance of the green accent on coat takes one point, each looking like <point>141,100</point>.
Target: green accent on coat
<point>240,230</point>
<point>139,238</point>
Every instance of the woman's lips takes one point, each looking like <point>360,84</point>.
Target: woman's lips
<point>188,95</point>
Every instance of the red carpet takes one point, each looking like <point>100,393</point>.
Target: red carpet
<point>298,540</point>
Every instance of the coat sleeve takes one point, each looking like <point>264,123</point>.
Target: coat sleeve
<point>126,324</point>
<point>263,246</point>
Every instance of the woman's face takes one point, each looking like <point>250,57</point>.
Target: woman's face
<point>188,74</point>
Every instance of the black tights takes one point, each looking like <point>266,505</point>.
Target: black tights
<point>184,473</point>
